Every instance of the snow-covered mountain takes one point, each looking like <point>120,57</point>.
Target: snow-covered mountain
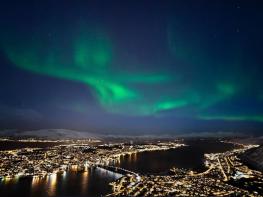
<point>50,134</point>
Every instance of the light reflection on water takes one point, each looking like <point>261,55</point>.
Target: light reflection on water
<point>92,182</point>
<point>106,173</point>
<point>51,184</point>
<point>84,182</point>
<point>159,162</point>
<point>64,175</point>
<point>35,182</point>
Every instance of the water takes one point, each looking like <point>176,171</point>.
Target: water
<point>10,145</point>
<point>95,182</point>
<point>159,162</point>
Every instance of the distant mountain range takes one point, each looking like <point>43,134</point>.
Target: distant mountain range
<point>73,134</point>
<point>50,134</point>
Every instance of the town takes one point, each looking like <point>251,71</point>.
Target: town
<point>57,159</point>
<point>225,174</point>
<point>223,170</point>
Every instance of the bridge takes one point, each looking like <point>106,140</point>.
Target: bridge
<point>117,169</point>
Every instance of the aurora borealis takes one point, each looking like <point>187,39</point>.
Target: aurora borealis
<point>161,64</point>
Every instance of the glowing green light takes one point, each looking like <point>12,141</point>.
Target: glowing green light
<point>226,88</point>
<point>167,105</point>
<point>91,63</point>
<point>109,92</point>
<point>92,51</point>
<point>89,58</point>
<point>257,118</point>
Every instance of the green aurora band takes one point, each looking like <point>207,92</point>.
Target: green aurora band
<point>234,118</point>
<point>88,57</point>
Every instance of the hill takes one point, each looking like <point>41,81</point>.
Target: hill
<point>254,158</point>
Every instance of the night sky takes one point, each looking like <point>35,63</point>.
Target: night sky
<point>132,66</point>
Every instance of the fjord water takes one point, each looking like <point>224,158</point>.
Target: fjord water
<point>95,182</point>
<point>187,157</point>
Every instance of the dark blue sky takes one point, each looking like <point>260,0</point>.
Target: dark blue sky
<point>132,66</point>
